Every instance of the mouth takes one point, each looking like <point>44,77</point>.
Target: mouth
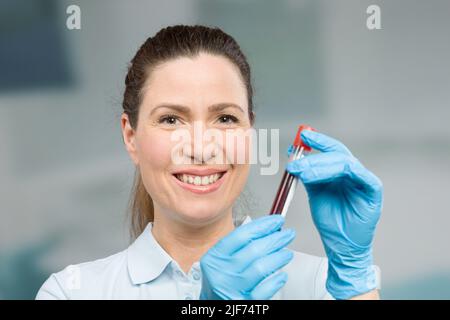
<point>200,182</point>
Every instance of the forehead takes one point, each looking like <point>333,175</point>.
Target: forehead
<point>197,81</point>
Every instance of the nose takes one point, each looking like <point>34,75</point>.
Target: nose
<point>202,149</point>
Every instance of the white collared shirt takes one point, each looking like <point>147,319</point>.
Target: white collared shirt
<point>146,271</point>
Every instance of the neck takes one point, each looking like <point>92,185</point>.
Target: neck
<point>187,243</point>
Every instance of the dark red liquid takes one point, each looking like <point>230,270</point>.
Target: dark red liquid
<point>282,193</point>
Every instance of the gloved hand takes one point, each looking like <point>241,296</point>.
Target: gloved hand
<point>345,201</point>
<point>244,264</point>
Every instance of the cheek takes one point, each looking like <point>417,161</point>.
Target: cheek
<point>238,147</point>
<point>241,172</point>
<point>154,150</point>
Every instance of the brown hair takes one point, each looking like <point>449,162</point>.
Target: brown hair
<point>170,43</point>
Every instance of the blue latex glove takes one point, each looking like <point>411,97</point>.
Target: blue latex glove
<point>244,264</point>
<point>346,202</point>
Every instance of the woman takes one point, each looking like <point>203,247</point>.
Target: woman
<point>188,246</point>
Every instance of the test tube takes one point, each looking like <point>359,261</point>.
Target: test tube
<point>289,182</point>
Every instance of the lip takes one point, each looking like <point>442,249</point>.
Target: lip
<point>200,172</point>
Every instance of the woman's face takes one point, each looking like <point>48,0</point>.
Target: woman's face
<point>189,174</point>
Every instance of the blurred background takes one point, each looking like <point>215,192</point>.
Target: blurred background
<point>66,177</point>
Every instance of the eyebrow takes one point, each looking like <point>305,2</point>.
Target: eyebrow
<point>212,108</point>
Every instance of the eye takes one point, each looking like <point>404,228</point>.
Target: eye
<point>228,119</point>
<point>169,119</point>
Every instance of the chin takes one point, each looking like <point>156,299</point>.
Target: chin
<point>199,212</point>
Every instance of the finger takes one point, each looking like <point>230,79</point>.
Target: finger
<point>265,266</point>
<point>264,246</point>
<point>248,232</point>
<point>289,150</point>
<point>270,286</point>
<point>327,167</point>
<point>324,143</point>
<point>316,167</point>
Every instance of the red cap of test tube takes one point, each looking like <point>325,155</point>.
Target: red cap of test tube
<point>298,138</point>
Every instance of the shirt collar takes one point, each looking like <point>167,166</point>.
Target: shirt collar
<point>147,259</point>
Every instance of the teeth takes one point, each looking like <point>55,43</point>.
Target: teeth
<point>198,180</point>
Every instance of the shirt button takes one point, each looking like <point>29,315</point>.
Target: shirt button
<point>179,273</point>
<point>188,297</point>
<point>196,276</point>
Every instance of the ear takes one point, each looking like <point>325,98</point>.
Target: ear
<point>129,138</point>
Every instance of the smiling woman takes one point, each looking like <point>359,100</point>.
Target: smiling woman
<point>188,245</point>
<point>180,76</point>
